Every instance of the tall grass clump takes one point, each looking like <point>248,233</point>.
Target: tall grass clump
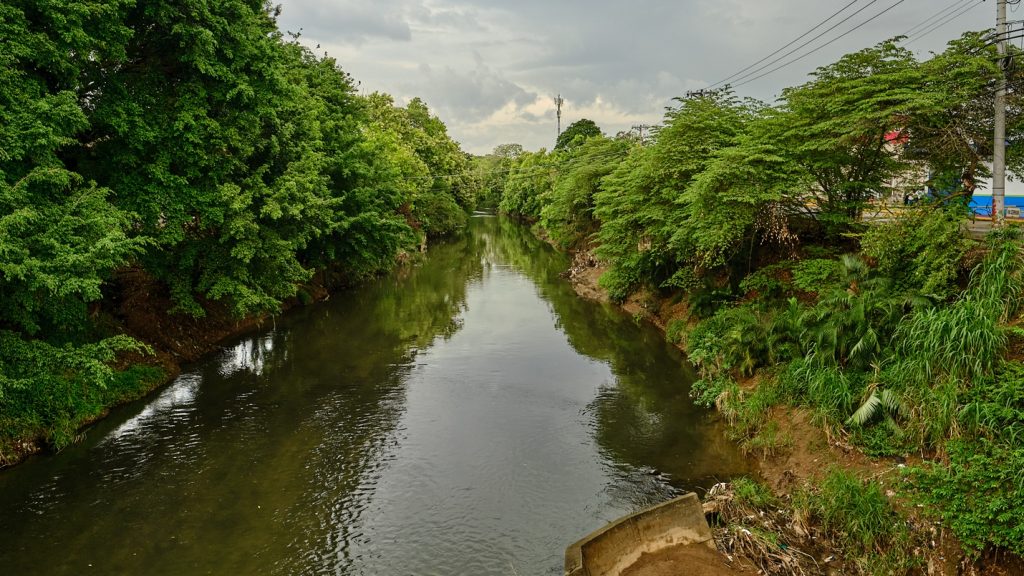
<point>829,390</point>
<point>979,489</point>
<point>966,339</point>
<point>939,352</point>
<point>856,514</point>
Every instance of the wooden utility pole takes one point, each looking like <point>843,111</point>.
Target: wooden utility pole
<point>999,144</point>
<point>640,130</point>
<point>558,112</point>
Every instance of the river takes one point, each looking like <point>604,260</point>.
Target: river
<point>469,415</point>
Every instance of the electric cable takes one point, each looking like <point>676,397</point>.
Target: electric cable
<point>832,41</point>
<point>927,21</point>
<point>942,23</point>
<point>791,42</point>
<point>742,79</point>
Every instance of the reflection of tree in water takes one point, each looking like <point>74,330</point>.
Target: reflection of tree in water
<point>339,370</point>
<point>277,456</point>
<point>339,390</point>
<point>644,423</point>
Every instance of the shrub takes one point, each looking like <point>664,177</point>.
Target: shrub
<point>980,494</point>
<point>816,274</point>
<point>51,391</point>
<point>732,338</point>
<point>922,250</point>
<point>675,330</point>
<point>994,406</point>
<point>768,282</point>
<point>706,391</point>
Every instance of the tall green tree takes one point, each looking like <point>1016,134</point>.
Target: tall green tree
<point>837,126</point>
<point>952,133</point>
<point>446,191</point>
<point>568,209</point>
<point>60,237</point>
<point>642,204</point>
<point>576,134</point>
<point>529,179</point>
<point>215,148</point>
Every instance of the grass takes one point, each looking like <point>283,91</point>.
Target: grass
<point>54,410</point>
<point>752,493</point>
<point>768,441</point>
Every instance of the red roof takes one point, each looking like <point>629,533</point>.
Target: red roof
<point>897,137</point>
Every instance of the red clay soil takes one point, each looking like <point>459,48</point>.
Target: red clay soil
<point>809,454</point>
<point>142,307</point>
<point>692,560</point>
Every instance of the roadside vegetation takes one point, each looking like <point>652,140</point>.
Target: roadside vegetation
<point>194,154</point>
<point>812,279</point>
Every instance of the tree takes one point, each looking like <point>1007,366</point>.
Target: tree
<point>215,147</point>
<point>642,203</point>
<point>447,191</point>
<point>531,176</point>
<point>576,133</point>
<point>60,237</point>
<point>745,195</point>
<point>837,125</point>
<point>492,170</point>
<point>567,212</point>
<point>952,134</point>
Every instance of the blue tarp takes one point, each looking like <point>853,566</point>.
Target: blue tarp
<point>981,204</point>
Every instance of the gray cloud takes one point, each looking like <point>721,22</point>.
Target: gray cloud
<point>472,95</point>
<point>350,21</point>
<point>490,67</point>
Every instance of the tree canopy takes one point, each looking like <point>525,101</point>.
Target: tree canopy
<point>577,133</point>
<point>192,143</point>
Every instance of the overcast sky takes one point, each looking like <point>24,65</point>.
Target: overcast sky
<point>490,69</point>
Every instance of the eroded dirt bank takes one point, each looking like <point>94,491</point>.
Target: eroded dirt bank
<point>806,457</point>
<point>140,307</point>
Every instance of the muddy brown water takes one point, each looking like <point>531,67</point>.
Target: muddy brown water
<point>467,416</point>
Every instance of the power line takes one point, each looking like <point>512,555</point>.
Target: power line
<point>742,79</point>
<point>832,41</point>
<point>940,14</point>
<point>794,41</point>
<point>940,24</point>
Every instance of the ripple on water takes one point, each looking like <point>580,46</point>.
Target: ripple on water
<point>440,421</point>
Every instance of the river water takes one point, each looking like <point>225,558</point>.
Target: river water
<point>467,416</point>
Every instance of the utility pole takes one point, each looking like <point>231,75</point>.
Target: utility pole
<point>703,93</point>
<point>999,145</point>
<point>558,107</point>
<point>640,130</point>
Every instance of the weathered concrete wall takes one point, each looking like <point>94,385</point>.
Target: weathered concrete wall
<point>612,549</point>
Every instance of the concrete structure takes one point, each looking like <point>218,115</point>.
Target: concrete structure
<point>617,546</point>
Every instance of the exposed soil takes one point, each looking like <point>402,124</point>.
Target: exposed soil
<point>692,560</point>
<point>584,273</point>
<point>141,307</point>
<point>809,453</point>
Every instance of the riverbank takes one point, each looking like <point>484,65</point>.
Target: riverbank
<point>792,462</point>
<point>138,306</point>
<point>469,414</point>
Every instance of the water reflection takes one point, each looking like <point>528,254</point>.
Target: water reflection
<point>469,415</point>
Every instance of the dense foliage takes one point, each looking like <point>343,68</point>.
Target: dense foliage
<point>196,144</point>
<point>787,231</point>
